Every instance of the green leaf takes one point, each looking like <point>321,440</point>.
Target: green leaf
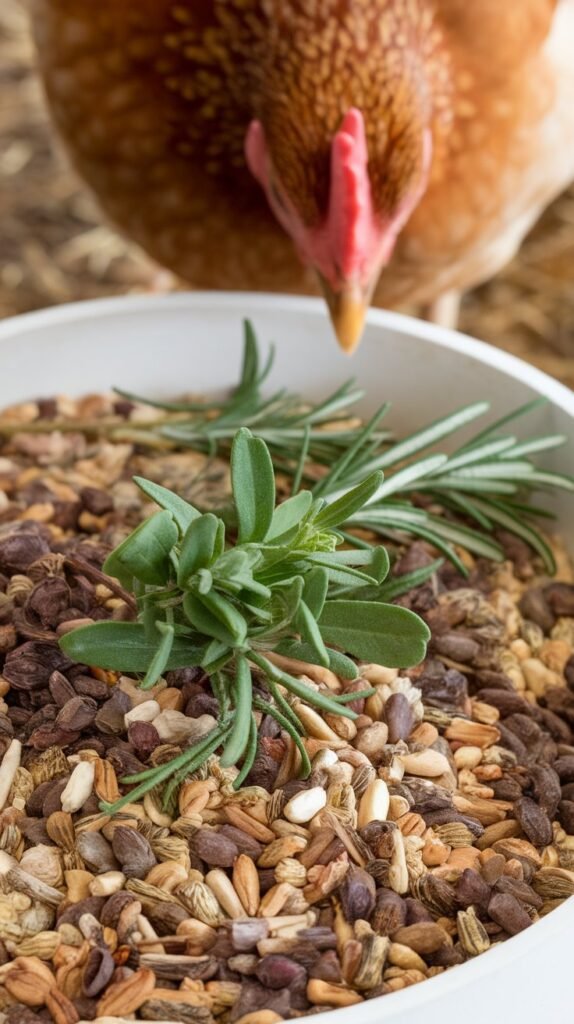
<point>508,519</point>
<point>289,515</point>
<point>285,600</point>
<point>145,553</point>
<point>381,633</point>
<point>408,477</point>
<point>316,585</point>
<point>181,510</point>
<point>399,585</point>
<point>351,501</point>
<point>126,647</point>
<point>215,616</point>
<point>309,630</point>
<point>341,665</point>
<point>253,483</point>
<point>243,698</point>
<point>159,662</point>
<point>198,548</point>
<point>434,432</point>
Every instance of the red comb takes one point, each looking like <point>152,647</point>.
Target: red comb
<point>350,208</point>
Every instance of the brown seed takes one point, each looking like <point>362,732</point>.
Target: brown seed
<point>215,849</point>
<point>473,734</point>
<point>390,912</point>
<point>508,913</point>
<point>105,781</point>
<point>534,821</point>
<point>29,980</point>
<point>246,883</point>
<point>61,1009</point>
<point>357,894</point>
<point>127,996</point>
<point>324,993</point>
<point>399,717</point>
<point>238,817</point>
<point>424,937</point>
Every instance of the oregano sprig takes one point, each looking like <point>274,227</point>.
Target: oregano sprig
<point>284,584</point>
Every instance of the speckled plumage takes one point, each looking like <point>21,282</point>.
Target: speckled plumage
<point>154,99</point>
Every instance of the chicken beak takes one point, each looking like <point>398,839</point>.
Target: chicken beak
<point>347,309</point>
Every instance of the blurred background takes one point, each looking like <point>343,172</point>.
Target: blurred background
<point>55,246</point>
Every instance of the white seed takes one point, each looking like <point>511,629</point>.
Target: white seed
<point>173,726</point>
<point>8,769</point>
<point>79,787</point>
<point>224,893</point>
<point>107,884</point>
<point>145,712</point>
<point>378,674</point>
<point>305,805</point>
<point>468,757</point>
<point>398,871</point>
<point>325,758</point>
<point>374,803</point>
<point>426,763</point>
<point>372,739</point>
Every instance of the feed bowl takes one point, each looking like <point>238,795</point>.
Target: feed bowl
<point>163,345</point>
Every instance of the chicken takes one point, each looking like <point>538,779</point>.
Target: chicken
<point>385,150</point>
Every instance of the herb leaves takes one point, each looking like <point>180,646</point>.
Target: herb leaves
<point>285,585</point>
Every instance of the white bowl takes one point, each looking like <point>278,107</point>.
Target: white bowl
<point>162,345</point>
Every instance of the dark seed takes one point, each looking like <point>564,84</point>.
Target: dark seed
<point>244,843</point>
<point>279,972</point>
<point>357,894</point>
<point>133,852</point>
<point>22,547</point>
<point>472,889</point>
<point>534,606</point>
<point>95,501</point>
<point>457,647</point>
<point>546,786</point>
<point>91,905</point>
<point>98,970</point>
<point>110,717</point>
<point>560,597</point>
<point>30,666</point>
<point>507,912</point>
<point>96,852</point>
<point>215,849</point>
<point>61,689</point>
<point>327,968</point>
<point>399,717</point>
<point>113,907</point>
<point>534,821</point>
<point>566,816</point>
<point>507,703</point>
<point>49,599</point>
<point>77,714</point>
<point>144,737</point>
<point>564,767</point>
<point>520,890</point>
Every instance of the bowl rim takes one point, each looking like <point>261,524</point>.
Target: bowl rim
<point>503,955</point>
<point>442,337</point>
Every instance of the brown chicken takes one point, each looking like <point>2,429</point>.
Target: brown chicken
<point>403,146</point>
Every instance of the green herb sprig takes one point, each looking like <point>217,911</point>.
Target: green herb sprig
<point>455,501</point>
<point>286,585</point>
<point>487,483</point>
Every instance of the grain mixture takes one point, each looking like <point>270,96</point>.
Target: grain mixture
<point>437,825</point>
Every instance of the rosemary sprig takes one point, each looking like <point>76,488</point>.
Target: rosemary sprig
<point>453,501</point>
<point>286,586</point>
